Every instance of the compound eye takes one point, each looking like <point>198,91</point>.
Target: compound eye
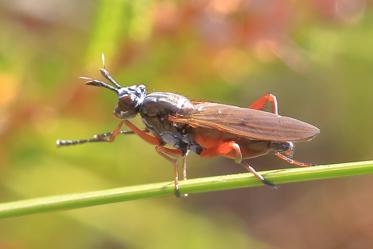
<point>126,107</point>
<point>125,102</point>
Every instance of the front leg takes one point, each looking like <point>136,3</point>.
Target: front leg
<point>146,137</point>
<point>102,137</point>
<point>116,132</point>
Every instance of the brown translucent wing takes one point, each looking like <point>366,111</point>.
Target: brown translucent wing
<point>248,123</point>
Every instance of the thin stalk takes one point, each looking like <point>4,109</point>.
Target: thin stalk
<point>199,185</point>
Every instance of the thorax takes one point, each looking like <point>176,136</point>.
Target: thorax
<point>155,110</point>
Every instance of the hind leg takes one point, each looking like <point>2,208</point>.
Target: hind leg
<point>285,151</point>
<point>258,176</point>
<point>260,103</point>
<point>232,150</point>
<point>292,161</point>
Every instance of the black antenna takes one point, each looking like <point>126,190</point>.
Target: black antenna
<point>92,82</point>
<point>106,74</point>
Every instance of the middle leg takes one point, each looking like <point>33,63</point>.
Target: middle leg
<point>171,155</point>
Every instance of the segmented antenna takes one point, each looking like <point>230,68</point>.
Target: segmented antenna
<point>107,76</point>
<point>92,82</point>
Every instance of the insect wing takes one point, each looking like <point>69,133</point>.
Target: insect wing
<point>248,123</point>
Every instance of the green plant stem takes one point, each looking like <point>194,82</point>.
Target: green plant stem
<point>70,201</point>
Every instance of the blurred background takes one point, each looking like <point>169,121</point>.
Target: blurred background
<point>316,56</point>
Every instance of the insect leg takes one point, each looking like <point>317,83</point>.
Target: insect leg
<point>116,132</point>
<point>170,155</point>
<point>292,161</point>
<point>228,149</point>
<point>232,150</point>
<point>258,176</point>
<point>260,103</point>
<point>147,137</point>
<point>185,166</point>
<point>103,137</point>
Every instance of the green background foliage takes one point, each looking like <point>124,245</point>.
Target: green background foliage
<point>315,56</point>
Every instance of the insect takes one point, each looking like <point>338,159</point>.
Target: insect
<point>176,125</point>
